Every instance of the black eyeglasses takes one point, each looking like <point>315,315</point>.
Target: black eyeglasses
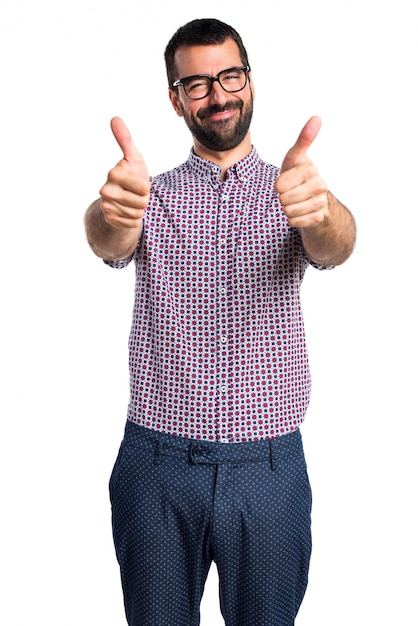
<point>199,86</point>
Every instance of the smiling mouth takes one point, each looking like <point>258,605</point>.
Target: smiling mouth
<point>215,112</point>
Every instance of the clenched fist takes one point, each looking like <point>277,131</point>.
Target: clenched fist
<point>302,192</point>
<point>125,195</point>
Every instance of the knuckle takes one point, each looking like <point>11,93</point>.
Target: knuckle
<point>317,217</point>
<point>319,202</point>
<point>113,175</point>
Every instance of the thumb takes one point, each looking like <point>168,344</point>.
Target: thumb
<point>306,137</point>
<point>124,139</point>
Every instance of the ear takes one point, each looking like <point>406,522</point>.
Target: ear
<point>250,80</point>
<point>175,101</point>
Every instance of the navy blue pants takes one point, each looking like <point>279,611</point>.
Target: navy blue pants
<point>178,505</point>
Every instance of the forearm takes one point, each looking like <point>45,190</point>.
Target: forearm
<point>106,241</point>
<point>331,241</point>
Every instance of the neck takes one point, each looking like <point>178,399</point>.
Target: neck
<point>225,158</point>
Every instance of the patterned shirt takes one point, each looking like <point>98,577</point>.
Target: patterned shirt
<point>217,345</point>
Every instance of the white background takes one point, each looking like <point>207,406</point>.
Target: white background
<point>67,68</point>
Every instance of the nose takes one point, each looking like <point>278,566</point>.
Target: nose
<point>217,93</point>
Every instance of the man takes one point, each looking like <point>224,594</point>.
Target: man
<point>211,467</point>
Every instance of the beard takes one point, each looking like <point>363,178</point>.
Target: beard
<point>224,134</point>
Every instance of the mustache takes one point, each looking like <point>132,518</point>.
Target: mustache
<point>216,108</point>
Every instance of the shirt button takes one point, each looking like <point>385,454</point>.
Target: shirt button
<point>225,197</point>
<point>222,242</point>
<point>223,290</point>
<point>223,388</point>
<point>223,339</point>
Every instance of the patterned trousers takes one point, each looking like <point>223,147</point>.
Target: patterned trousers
<point>179,504</point>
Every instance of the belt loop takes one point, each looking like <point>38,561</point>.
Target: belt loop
<point>191,453</point>
<point>157,453</point>
<point>273,460</point>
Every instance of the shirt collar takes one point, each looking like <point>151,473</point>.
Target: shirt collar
<point>209,171</point>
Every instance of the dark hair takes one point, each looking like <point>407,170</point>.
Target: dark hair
<point>201,32</point>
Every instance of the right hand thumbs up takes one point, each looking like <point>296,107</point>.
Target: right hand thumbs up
<point>125,141</point>
<point>125,195</point>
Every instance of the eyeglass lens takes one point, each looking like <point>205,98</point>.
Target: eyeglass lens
<point>200,86</point>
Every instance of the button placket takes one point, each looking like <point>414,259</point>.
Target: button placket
<point>222,315</point>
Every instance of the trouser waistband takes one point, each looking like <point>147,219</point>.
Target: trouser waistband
<point>208,452</point>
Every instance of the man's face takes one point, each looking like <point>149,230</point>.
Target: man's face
<point>221,120</point>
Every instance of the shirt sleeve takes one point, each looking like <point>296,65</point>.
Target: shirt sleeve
<point>317,266</point>
<point>118,265</point>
